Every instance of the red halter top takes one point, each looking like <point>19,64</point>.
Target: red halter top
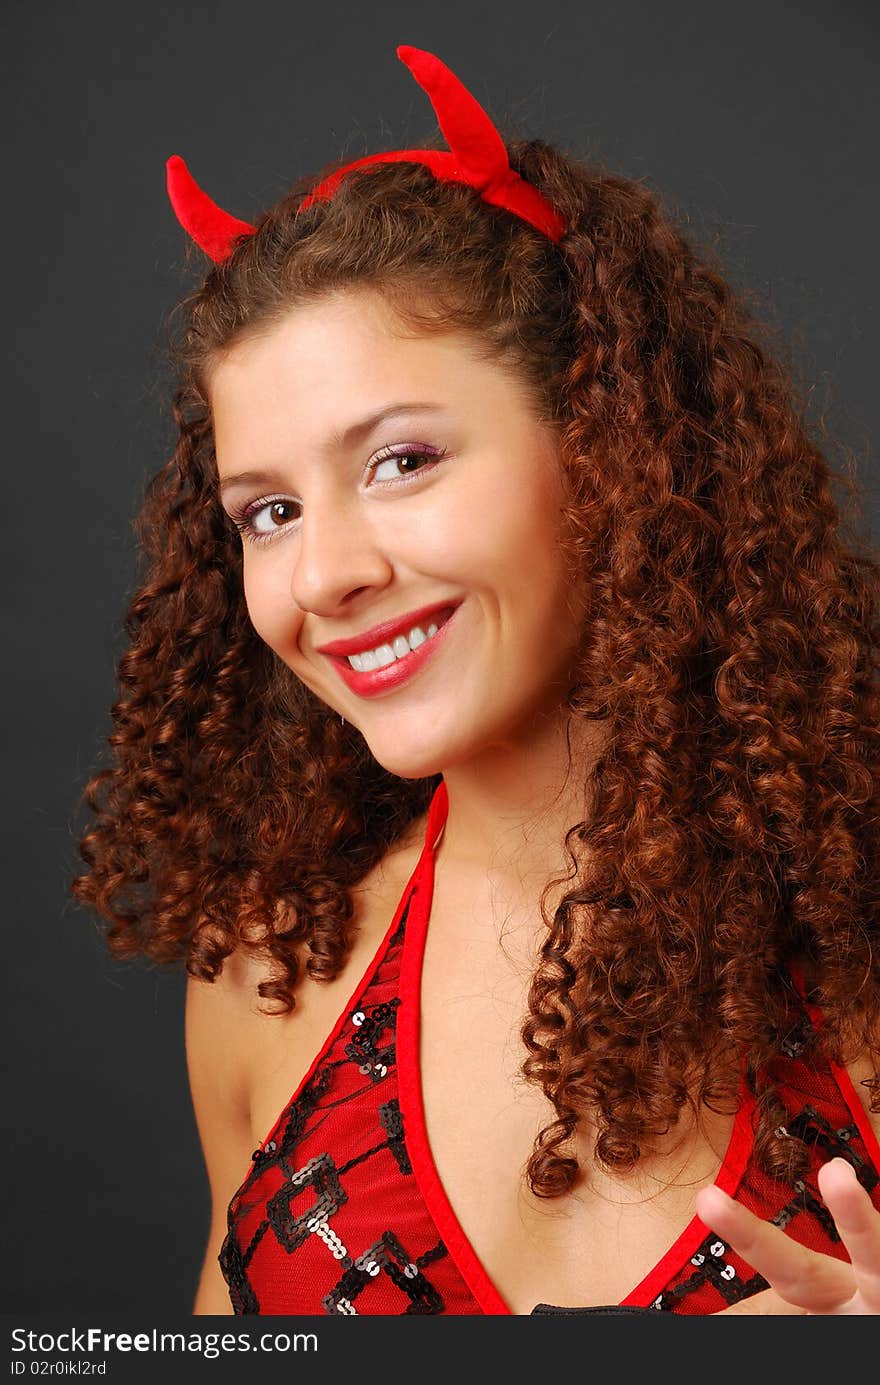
<point>343,1210</point>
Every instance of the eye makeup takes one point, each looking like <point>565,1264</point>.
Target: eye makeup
<point>244,517</point>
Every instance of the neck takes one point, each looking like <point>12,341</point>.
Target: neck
<point>510,807</point>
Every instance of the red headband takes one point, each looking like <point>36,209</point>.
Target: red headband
<point>478,158</point>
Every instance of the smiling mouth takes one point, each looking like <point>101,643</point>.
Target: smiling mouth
<point>394,650</point>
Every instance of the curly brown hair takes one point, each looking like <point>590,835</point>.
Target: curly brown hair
<point>730,647</point>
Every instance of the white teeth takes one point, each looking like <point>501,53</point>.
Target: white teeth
<point>363,662</point>
<point>398,649</point>
<point>384,655</point>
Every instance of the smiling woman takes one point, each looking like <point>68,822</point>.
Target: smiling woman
<point>353,553</point>
<point>498,749</point>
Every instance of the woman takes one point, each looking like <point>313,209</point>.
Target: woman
<point>495,584</point>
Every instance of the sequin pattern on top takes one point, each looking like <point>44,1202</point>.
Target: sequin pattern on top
<point>329,1217</point>
<point>824,1114</point>
<point>341,1208</point>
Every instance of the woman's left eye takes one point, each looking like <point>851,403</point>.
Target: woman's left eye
<point>396,460</point>
<point>405,464</point>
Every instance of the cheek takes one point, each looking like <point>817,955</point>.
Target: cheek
<point>497,520</point>
<point>519,532</point>
<point>269,608</point>
<point>525,552</point>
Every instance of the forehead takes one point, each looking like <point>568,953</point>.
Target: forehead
<point>326,363</point>
<point>352,331</point>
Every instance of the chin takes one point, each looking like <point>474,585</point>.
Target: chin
<point>419,763</point>
<point>424,749</point>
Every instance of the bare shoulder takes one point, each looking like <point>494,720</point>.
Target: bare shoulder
<point>277,1051</point>
<point>214,1012</point>
<point>220,1105</point>
<point>261,1057</point>
<point>244,1063</point>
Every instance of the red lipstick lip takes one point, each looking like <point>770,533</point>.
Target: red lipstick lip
<point>384,633</point>
<point>378,682</point>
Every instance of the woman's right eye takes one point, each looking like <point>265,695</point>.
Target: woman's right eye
<point>246,523</point>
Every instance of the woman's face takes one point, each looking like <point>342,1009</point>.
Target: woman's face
<point>400,480</point>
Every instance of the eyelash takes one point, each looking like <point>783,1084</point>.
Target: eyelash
<point>243,518</point>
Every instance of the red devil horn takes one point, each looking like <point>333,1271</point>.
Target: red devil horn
<point>469,132</point>
<point>211,228</point>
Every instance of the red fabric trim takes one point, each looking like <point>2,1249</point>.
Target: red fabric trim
<point>409,1080</point>
<point>471,1268</point>
<point>372,967</point>
<point>800,986</point>
<point>730,1175</point>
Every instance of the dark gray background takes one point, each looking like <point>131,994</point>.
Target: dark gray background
<point>755,121</point>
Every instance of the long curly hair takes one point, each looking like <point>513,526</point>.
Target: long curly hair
<point>730,647</point>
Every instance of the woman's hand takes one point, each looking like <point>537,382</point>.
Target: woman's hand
<point>802,1280</point>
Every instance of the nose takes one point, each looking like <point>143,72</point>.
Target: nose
<point>337,556</point>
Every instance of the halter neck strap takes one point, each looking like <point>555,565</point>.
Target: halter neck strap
<point>436,817</point>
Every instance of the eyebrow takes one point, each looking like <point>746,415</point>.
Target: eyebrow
<point>349,437</point>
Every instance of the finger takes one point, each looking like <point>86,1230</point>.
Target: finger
<point>858,1223</point>
<point>802,1277</point>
